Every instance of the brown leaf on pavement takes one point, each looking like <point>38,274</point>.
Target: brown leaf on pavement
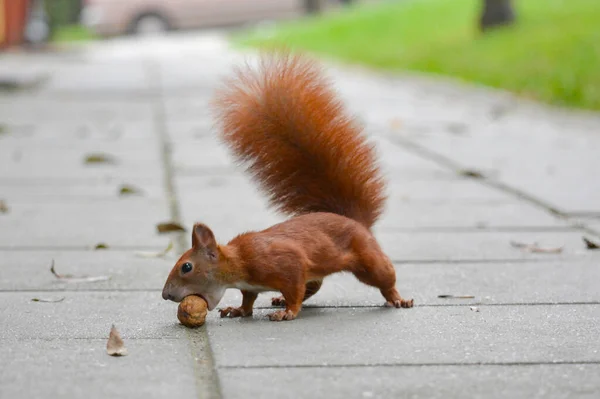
<point>589,244</point>
<point>456,296</point>
<point>101,245</point>
<point>69,278</point>
<point>475,174</point>
<point>535,248</point>
<point>169,227</point>
<point>115,345</point>
<point>129,190</point>
<point>3,207</point>
<point>98,158</point>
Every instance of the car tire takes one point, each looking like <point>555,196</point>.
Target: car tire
<point>150,24</point>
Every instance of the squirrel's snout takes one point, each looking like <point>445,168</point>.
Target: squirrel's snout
<point>166,295</point>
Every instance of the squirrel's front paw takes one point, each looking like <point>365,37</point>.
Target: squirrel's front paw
<point>234,312</point>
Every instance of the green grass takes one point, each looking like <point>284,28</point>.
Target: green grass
<point>552,54</point>
<point>72,33</point>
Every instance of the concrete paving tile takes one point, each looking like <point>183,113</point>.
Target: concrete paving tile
<point>544,163</point>
<point>67,160</point>
<point>493,283</point>
<point>138,315</point>
<point>81,368</point>
<point>531,381</point>
<point>461,215</point>
<point>477,245</point>
<point>53,111</point>
<point>118,223</point>
<point>37,191</point>
<point>30,270</point>
<point>403,189</point>
<point>100,77</point>
<point>422,335</point>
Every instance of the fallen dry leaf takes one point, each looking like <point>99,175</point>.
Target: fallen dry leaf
<point>169,227</point>
<point>99,158</point>
<point>69,278</point>
<point>49,300</point>
<point>160,254</point>
<point>129,190</point>
<point>589,244</point>
<point>471,173</point>
<point>3,207</point>
<point>101,245</point>
<point>474,308</point>
<point>456,296</point>
<point>115,345</point>
<point>535,248</point>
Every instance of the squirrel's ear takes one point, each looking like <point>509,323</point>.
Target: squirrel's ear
<point>204,239</point>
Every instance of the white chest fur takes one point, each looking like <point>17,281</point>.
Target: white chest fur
<point>252,288</point>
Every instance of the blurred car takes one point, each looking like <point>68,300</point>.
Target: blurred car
<point>117,17</point>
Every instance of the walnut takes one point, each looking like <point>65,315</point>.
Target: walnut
<point>192,311</point>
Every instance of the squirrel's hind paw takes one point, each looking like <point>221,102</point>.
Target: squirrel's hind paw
<point>400,303</point>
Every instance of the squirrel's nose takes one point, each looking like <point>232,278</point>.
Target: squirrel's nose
<point>166,296</point>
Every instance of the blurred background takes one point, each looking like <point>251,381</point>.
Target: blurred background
<point>546,50</point>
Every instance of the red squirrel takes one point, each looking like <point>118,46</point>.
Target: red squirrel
<point>311,159</point>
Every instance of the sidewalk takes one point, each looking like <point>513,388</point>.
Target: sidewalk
<point>470,171</point>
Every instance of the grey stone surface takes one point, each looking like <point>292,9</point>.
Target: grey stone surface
<point>127,270</point>
<point>478,245</point>
<point>41,191</point>
<point>67,160</point>
<point>421,335</point>
<point>86,315</point>
<point>75,368</point>
<point>120,223</point>
<point>411,215</point>
<point>531,381</point>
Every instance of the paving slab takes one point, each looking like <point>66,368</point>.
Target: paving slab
<point>101,77</point>
<point>535,163</point>
<point>67,160</point>
<point>421,335</point>
<point>41,191</point>
<point>53,112</point>
<point>86,315</point>
<point>25,270</point>
<point>84,224</point>
<point>490,284</point>
<point>461,215</point>
<point>530,381</point>
<point>473,245</point>
<point>63,368</point>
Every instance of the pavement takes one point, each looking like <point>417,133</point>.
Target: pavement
<point>470,171</point>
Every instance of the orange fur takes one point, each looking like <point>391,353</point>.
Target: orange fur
<point>313,162</point>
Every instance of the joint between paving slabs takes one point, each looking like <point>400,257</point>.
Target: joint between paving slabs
<point>205,374</point>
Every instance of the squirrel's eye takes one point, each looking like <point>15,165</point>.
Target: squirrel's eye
<point>186,267</point>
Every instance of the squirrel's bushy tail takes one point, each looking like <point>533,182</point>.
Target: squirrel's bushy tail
<point>284,120</point>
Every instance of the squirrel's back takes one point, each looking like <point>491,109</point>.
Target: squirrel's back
<point>304,151</point>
